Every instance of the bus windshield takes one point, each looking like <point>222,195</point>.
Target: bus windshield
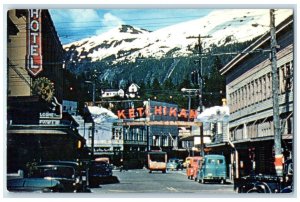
<point>157,156</point>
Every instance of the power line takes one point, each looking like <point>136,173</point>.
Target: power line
<point>149,19</point>
<point>196,17</point>
<point>103,26</point>
<point>132,19</point>
<point>106,26</point>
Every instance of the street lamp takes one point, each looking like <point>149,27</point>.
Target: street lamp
<point>190,92</point>
<point>196,91</point>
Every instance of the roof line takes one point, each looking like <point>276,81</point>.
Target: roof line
<point>265,37</point>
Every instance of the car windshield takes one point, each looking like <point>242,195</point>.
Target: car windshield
<point>215,161</point>
<point>173,161</point>
<point>54,172</point>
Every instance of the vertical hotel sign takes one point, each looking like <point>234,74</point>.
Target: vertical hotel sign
<point>34,42</point>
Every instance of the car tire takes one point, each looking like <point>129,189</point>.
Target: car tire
<point>254,190</point>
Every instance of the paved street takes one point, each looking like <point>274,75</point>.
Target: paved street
<point>140,181</point>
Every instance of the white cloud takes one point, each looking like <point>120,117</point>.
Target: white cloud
<point>72,23</point>
<point>109,21</point>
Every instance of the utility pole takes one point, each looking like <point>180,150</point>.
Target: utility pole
<point>93,122</point>
<point>148,117</point>
<point>94,89</point>
<point>275,85</point>
<point>189,94</point>
<point>200,83</point>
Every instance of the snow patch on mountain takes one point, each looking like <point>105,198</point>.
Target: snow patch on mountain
<point>223,26</point>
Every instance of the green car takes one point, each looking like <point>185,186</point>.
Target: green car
<point>213,169</point>
<point>174,164</point>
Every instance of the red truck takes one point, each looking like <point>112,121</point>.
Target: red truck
<point>192,166</point>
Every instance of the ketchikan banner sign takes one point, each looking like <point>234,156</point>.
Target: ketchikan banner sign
<point>34,42</point>
<point>158,111</point>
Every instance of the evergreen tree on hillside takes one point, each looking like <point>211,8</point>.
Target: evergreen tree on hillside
<point>214,88</point>
<point>168,84</point>
<point>142,91</point>
<point>185,83</point>
<point>156,85</point>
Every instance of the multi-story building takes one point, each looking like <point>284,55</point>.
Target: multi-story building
<point>20,74</point>
<point>36,129</point>
<point>162,136</point>
<point>108,134</point>
<point>140,138</point>
<point>250,100</point>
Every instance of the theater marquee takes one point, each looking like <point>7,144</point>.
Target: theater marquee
<point>34,42</point>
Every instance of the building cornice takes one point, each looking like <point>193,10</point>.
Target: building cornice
<point>254,46</point>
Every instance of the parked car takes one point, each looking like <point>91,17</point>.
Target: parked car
<point>180,162</point>
<point>263,183</point>
<point>186,162</point>
<point>213,169</point>
<point>68,173</point>
<point>99,171</point>
<point>33,185</point>
<point>174,164</point>
<point>192,167</point>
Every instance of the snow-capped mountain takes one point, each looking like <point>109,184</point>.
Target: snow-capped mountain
<point>126,43</point>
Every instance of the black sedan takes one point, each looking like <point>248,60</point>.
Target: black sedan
<point>33,185</point>
<point>99,171</point>
<point>68,173</point>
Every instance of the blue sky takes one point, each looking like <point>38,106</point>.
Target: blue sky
<point>75,24</point>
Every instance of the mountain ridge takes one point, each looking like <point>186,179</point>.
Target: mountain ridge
<point>133,54</point>
<point>126,43</point>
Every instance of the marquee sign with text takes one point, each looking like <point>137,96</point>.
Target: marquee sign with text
<point>34,42</point>
<point>158,110</point>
